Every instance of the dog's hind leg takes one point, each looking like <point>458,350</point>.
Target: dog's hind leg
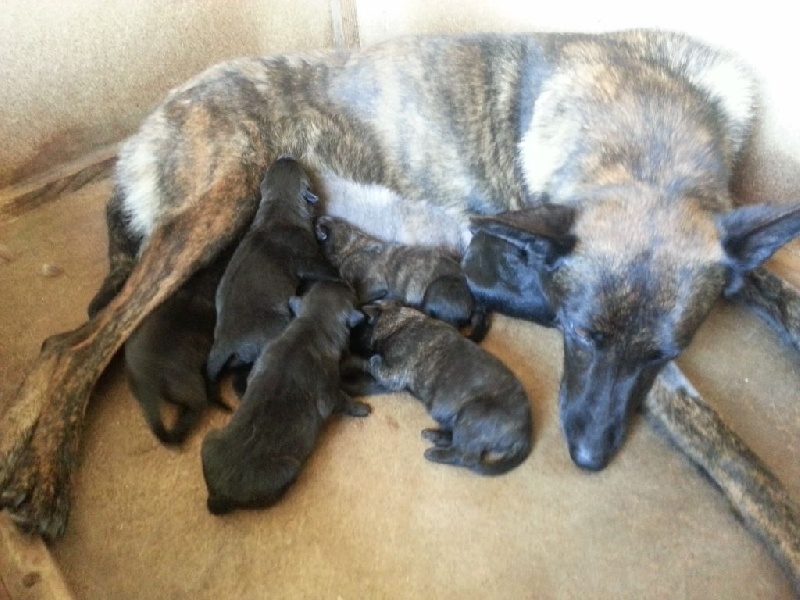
<point>775,301</point>
<point>41,426</point>
<point>677,410</point>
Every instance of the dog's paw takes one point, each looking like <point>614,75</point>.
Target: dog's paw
<point>445,456</point>
<point>354,408</point>
<point>40,433</point>
<point>439,437</point>
<point>35,490</point>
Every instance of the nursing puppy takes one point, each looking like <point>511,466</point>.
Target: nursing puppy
<point>274,257</point>
<point>292,390</point>
<point>482,410</point>
<point>165,358</point>
<point>501,279</point>
<point>426,277</point>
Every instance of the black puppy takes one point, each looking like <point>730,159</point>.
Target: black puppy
<point>292,390</point>
<point>483,412</point>
<point>278,252</point>
<point>426,277</point>
<point>165,357</point>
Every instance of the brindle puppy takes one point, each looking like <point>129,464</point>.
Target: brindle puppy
<point>276,254</point>
<point>292,390</point>
<point>426,277</point>
<point>165,357</point>
<point>483,412</point>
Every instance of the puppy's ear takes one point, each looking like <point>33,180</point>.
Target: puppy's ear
<point>751,235</point>
<point>355,318</point>
<point>295,303</point>
<point>322,228</point>
<point>371,312</point>
<point>310,197</point>
<point>542,231</point>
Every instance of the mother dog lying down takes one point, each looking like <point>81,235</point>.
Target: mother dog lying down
<point>629,137</point>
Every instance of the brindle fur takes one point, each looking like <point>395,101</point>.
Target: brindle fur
<point>278,252</point>
<point>428,278</point>
<point>291,392</point>
<point>482,410</point>
<point>410,137</point>
<point>165,358</point>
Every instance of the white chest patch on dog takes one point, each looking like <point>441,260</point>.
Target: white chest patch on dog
<point>385,214</point>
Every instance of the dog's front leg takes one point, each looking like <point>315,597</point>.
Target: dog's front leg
<point>775,301</point>
<point>40,430</point>
<point>677,410</point>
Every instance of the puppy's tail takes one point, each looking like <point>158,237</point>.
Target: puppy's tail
<point>190,396</point>
<point>184,424</point>
<point>493,464</point>
<point>479,324</point>
<point>218,359</point>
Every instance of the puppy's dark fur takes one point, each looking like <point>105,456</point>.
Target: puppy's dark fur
<point>292,390</point>
<point>482,410</point>
<point>275,255</point>
<point>165,357</point>
<point>426,277</point>
<point>501,279</point>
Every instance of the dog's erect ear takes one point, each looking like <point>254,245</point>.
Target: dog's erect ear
<point>542,231</point>
<point>355,318</point>
<point>751,235</point>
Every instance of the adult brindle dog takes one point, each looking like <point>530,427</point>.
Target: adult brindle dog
<point>630,137</point>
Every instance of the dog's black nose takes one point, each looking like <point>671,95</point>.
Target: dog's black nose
<point>588,460</point>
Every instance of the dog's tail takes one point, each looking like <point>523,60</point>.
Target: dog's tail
<point>123,248</point>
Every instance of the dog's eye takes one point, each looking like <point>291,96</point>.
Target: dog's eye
<point>659,356</point>
<point>588,335</point>
<point>584,334</point>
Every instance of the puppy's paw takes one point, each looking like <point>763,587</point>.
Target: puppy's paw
<point>439,437</point>
<point>354,408</point>
<point>445,456</point>
<point>351,407</point>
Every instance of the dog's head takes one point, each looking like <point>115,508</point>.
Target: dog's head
<point>628,289</point>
